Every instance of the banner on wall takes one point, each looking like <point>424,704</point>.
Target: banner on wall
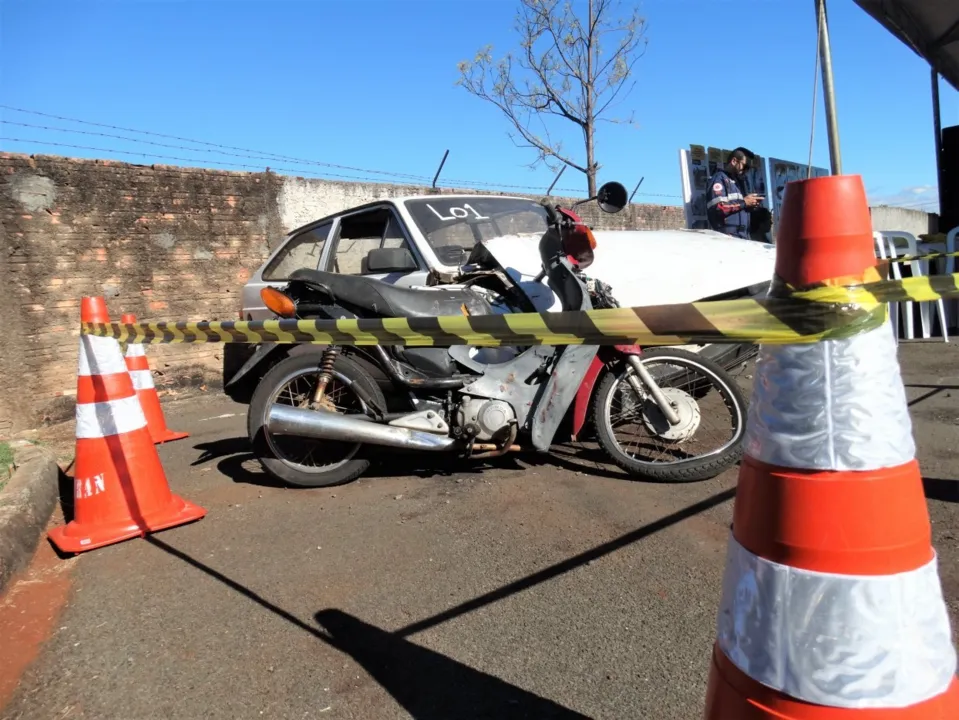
<point>695,176</point>
<point>766,178</point>
<point>784,171</point>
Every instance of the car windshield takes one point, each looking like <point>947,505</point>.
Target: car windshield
<point>453,225</point>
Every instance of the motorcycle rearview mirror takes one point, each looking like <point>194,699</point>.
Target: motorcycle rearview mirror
<point>612,197</point>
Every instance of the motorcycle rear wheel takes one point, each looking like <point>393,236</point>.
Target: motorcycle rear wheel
<point>701,376</point>
<point>277,455</point>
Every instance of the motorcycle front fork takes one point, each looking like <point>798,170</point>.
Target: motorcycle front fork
<point>640,378</point>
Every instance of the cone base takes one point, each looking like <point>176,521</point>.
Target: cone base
<point>77,537</point>
<point>732,695</point>
<point>167,435</point>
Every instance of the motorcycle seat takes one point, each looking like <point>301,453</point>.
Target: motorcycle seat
<point>383,299</point>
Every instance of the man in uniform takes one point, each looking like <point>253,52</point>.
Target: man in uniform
<point>727,207</point>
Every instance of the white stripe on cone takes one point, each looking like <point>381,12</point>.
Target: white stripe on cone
<point>113,417</point>
<point>100,356</point>
<point>833,405</point>
<point>142,379</point>
<point>849,641</point>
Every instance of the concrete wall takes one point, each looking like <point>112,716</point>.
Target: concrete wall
<point>162,242</point>
<point>915,222</point>
<point>301,200</point>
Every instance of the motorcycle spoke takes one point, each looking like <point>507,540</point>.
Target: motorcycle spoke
<point>643,434</point>
<point>308,454</point>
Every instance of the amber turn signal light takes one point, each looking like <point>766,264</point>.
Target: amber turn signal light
<point>278,302</point>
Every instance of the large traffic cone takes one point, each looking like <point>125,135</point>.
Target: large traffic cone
<point>120,489</point>
<point>139,368</point>
<point>832,607</point>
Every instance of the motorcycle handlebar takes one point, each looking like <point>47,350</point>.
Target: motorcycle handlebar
<point>551,215</point>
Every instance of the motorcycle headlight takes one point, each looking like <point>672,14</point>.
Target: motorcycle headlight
<point>578,244</point>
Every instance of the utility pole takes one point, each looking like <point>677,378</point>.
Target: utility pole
<point>937,126</point>
<point>828,90</point>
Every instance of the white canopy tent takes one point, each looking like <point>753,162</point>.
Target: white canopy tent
<point>929,27</point>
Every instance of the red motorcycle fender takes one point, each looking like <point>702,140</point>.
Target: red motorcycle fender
<point>584,395</point>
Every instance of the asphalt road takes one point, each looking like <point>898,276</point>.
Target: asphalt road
<point>533,588</point>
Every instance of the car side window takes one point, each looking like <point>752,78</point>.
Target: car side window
<point>302,251</point>
<point>361,233</point>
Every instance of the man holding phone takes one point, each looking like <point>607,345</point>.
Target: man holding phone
<point>727,208</point>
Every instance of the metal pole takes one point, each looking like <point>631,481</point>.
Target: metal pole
<point>828,90</point>
<point>440,168</point>
<point>937,125</point>
<point>549,191</point>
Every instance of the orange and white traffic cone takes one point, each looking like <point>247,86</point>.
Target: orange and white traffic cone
<point>832,607</point>
<point>120,488</point>
<point>139,368</point>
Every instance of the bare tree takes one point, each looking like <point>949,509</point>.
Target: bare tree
<point>560,70</point>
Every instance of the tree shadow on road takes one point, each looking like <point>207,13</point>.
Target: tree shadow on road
<point>931,391</point>
<point>941,489</point>
<point>428,684</point>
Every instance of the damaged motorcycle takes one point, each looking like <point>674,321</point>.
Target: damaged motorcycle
<point>317,417</point>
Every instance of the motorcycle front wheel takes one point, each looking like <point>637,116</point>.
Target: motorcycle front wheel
<point>636,436</point>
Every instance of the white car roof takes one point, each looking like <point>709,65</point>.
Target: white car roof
<point>401,200</point>
<point>406,198</point>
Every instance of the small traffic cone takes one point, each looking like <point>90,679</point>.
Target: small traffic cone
<point>139,368</point>
<point>120,488</point>
<point>832,607</point>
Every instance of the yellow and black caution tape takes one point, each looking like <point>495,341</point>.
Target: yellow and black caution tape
<point>914,258</point>
<point>806,316</point>
<point>924,288</point>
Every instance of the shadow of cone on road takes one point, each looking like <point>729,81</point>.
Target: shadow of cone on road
<point>832,606</point>
<point>120,490</point>
<point>139,367</point>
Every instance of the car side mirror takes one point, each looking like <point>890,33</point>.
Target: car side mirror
<point>390,260</point>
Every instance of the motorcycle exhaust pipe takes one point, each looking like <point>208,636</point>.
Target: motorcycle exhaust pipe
<point>324,425</point>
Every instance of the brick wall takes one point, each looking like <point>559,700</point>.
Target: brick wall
<point>162,242</point>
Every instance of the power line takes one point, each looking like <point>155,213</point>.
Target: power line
<point>243,166</point>
<point>247,154</point>
<point>263,155</point>
<point>912,203</point>
<point>172,157</point>
<point>189,149</point>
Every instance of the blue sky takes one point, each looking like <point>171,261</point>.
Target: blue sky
<point>370,84</point>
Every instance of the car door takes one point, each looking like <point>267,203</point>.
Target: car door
<point>356,234</point>
<point>303,250</point>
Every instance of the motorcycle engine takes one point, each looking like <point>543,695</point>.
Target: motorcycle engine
<point>484,419</point>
